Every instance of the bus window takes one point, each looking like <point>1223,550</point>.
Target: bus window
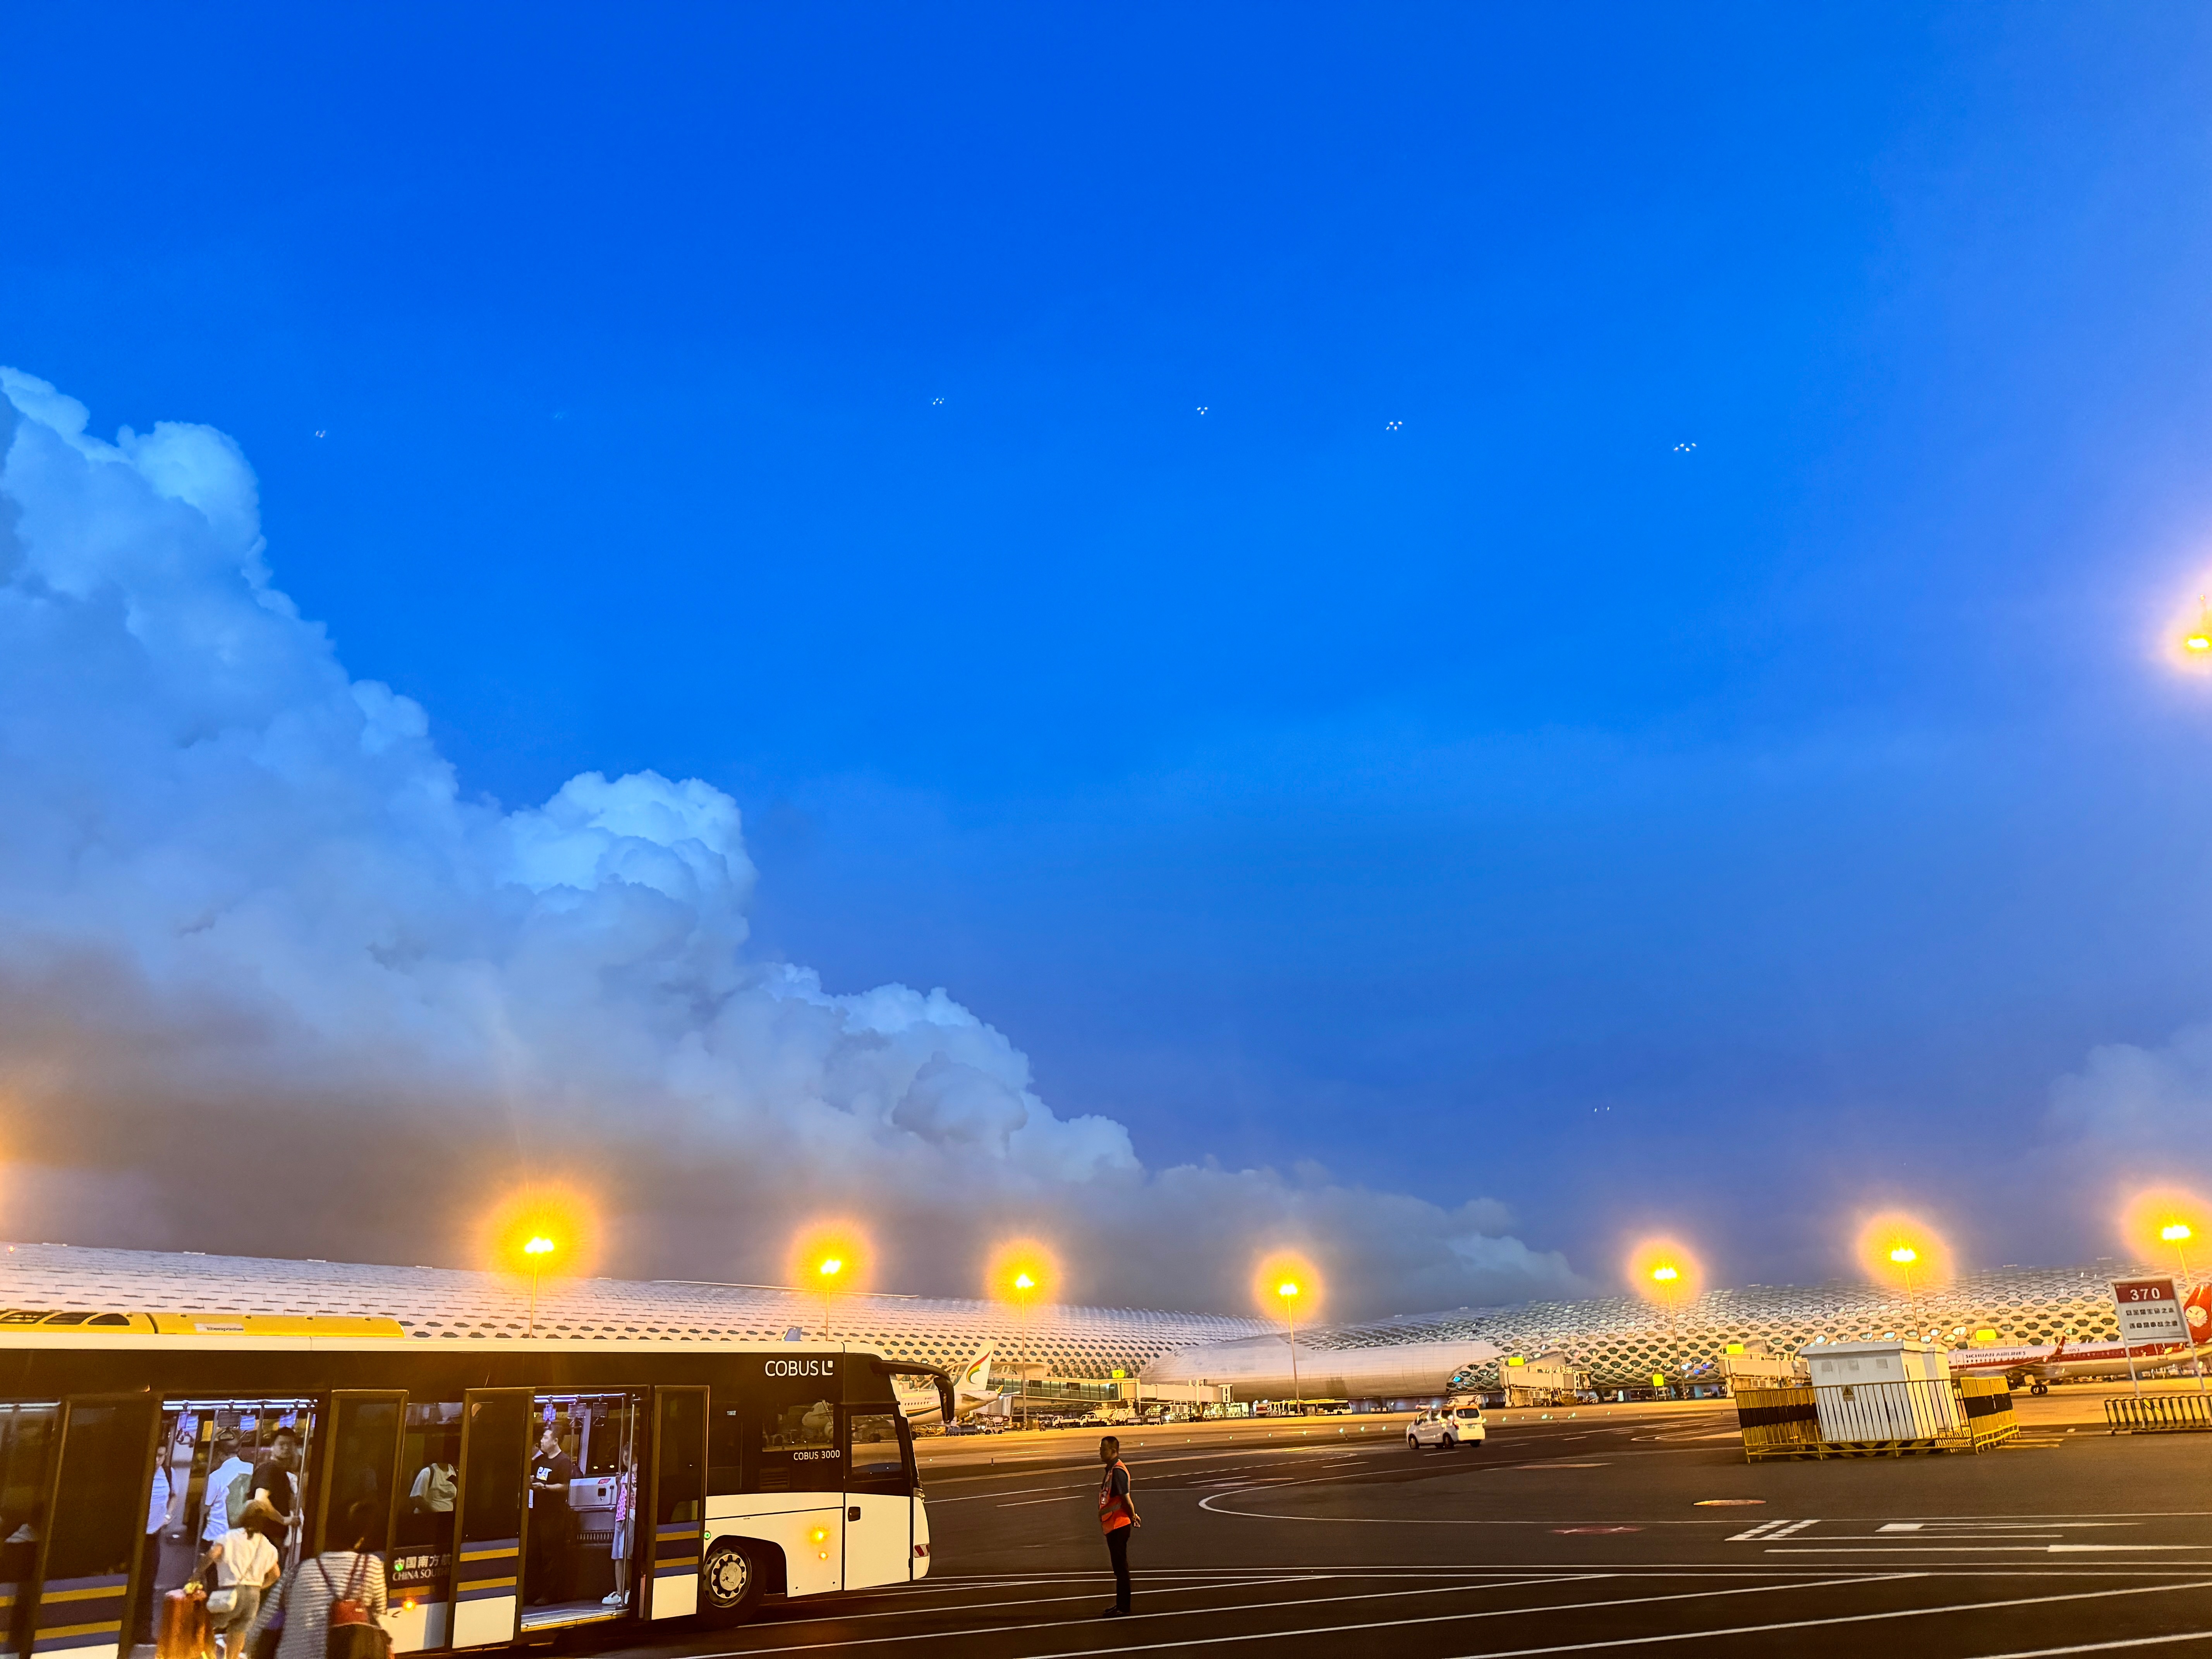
<point>875,1461</point>
<point>799,1436</point>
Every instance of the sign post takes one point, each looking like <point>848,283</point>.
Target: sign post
<point>2149,1311</point>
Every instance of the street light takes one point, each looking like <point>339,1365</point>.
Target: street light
<point>537,1247</point>
<point>828,1268</point>
<point>1024,1288</point>
<point>1669,1279</point>
<point>2178,1234</point>
<point>1905,1255</point>
<point>1288,1290</point>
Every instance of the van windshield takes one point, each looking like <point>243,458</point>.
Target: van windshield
<point>1469,1411</point>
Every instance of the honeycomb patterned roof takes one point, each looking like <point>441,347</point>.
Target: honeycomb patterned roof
<point>432,1303</point>
<point>1620,1340</point>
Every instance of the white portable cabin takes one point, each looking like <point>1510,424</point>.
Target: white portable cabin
<point>1882,1390</point>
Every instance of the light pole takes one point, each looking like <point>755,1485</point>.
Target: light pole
<point>1668,1277</point>
<point>537,1247</point>
<point>830,1268</point>
<point>1024,1293</point>
<point>1905,1255</point>
<point>1288,1290</point>
<point>2178,1234</point>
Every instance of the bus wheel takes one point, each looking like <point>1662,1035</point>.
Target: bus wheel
<point>730,1581</point>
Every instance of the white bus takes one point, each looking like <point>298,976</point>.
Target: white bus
<point>519,1486</point>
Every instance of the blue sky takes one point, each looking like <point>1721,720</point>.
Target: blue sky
<point>1562,608</point>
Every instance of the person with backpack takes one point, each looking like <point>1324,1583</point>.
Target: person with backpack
<point>329,1606</point>
<point>223,1499</point>
<point>1117,1519</point>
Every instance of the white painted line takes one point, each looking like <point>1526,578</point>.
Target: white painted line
<point>1796,1526</point>
<point>1816,1624</point>
<point>1900,1526</point>
<point>1754,1533</point>
<point>1193,1613</point>
<point>1978,1549</point>
<point>1065,1498</point>
<point>1436,1619</point>
<point>2106,1647</point>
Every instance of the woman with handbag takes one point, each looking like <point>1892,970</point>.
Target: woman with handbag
<point>329,1606</point>
<point>244,1563</point>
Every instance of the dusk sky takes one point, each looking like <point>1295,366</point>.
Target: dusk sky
<point>1532,624</point>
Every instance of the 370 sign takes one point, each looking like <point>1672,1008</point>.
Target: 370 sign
<point>2149,1310</point>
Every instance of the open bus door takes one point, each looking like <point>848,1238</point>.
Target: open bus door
<point>487,1544</point>
<point>678,1502</point>
<point>92,1527</point>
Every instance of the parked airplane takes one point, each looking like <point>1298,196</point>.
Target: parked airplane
<point>971,1388</point>
<point>2041,1363</point>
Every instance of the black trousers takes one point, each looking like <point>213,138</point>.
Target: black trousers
<point>1117,1546</point>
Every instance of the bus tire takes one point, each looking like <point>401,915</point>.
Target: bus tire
<point>732,1580</point>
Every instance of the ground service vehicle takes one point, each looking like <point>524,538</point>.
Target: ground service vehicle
<point>1448,1428</point>
<point>518,1486</point>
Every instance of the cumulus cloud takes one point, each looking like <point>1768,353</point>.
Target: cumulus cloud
<point>270,981</point>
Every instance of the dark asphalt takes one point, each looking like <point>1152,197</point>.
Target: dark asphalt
<point>1583,1535</point>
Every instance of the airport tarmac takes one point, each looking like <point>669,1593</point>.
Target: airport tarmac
<point>1607,1530</point>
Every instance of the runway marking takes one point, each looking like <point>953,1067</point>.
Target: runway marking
<point>1752,1535</point>
<point>2105,1647</point>
<point>1792,1528</point>
<point>1561,1466</point>
<point>1442,1618</point>
<point>1194,1613</point>
<point>1978,1549</point>
<point>1065,1498</point>
<point>1040,1601</point>
<point>1840,1619</point>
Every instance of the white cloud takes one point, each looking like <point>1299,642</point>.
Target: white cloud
<point>269,982</point>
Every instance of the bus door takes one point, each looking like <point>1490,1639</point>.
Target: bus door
<point>678,1506</point>
<point>360,1460</point>
<point>26,1439</point>
<point>486,1577</point>
<point>879,1496</point>
<point>92,1527</point>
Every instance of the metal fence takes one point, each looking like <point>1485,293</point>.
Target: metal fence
<point>1876,1419</point>
<point>2159,1413</point>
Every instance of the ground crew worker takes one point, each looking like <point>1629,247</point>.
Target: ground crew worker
<point>1117,1517</point>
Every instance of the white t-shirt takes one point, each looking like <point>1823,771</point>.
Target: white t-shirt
<point>218,1497</point>
<point>246,1558</point>
<point>433,1487</point>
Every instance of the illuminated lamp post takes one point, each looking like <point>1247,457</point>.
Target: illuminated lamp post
<point>1905,1256</point>
<point>1025,1289</point>
<point>1288,1290</point>
<point>2178,1234</point>
<point>828,1268</point>
<point>537,1247</point>
<point>1669,1279</point>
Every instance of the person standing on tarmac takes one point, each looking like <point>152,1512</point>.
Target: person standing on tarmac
<point>1117,1517</point>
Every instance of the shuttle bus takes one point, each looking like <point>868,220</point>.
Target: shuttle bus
<point>521,1485</point>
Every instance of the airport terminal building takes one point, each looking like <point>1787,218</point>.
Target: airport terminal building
<point>1620,1340</point>
<point>434,1302</point>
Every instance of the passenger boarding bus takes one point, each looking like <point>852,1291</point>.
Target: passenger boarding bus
<point>523,1485</point>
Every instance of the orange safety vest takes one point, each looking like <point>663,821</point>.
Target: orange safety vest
<point>1114,1513</point>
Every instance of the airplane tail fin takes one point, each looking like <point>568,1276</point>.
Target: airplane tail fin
<point>2197,1311</point>
<point>976,1373</point>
